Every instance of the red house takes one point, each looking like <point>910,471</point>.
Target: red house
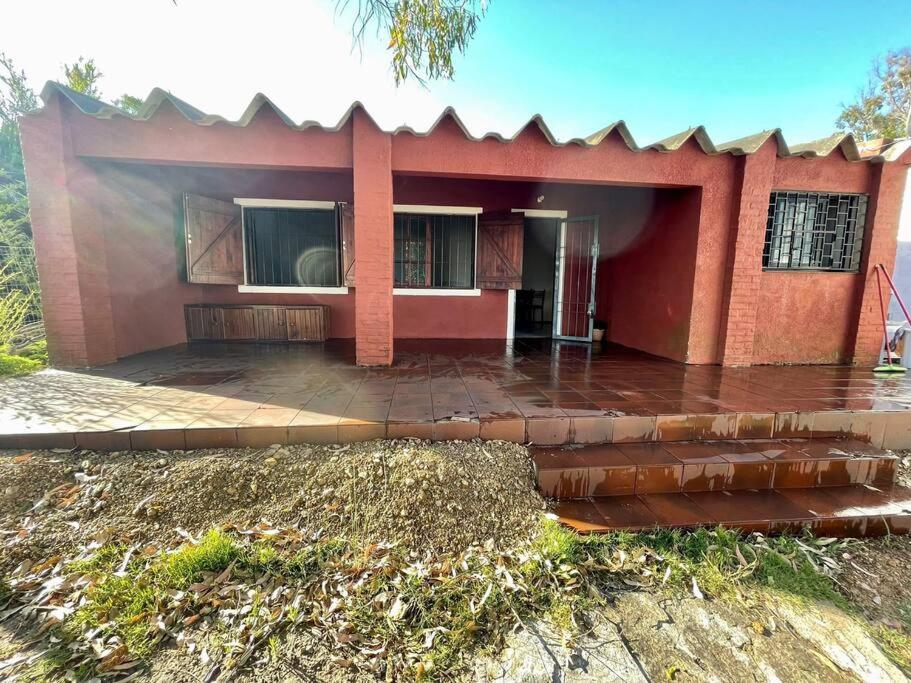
<point>174,223</point>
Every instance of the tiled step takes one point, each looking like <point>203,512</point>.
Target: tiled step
<point>854,511</point>
<point>701,466</point>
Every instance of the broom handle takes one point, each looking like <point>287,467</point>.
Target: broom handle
<point>895,292</point>
<point>882,310</point>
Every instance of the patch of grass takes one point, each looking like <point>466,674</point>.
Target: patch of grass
<point>723,560</point>
<point>784,568</point>
<point>215,551</point>
<point>896,643</point>
<point>124,602</point>
<point>17,365</point>
<point>428,615</point>
<point>106,558</point>
<point>36,352</point>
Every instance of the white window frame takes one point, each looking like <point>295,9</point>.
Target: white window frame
<point>432,209</point>
<point>264,203</point>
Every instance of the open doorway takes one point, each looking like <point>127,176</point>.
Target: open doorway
<point>535,300</point>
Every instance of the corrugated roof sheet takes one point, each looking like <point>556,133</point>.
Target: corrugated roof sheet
<point>741,146</point>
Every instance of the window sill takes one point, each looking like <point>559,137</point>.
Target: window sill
<point>810,270</point>
<point>279,289</point>
<point>428,291</point>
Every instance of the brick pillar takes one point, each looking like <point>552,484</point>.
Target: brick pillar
<point>880,236</point>
<point>744,267</point>
<point>373,241</point>
<point>65,200</point>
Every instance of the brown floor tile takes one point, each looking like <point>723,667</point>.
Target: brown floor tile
<point>548,431</point>
<point>220,419</point>
<point>617,480</point>
<point>361,432</point>
<point>211,437</point>
<point>581,515</point>
<point>409,430</point>
<point>792,425</point>
<point>592,429</point>
<point>675,510</point>
<point>689,452</point>
<point>565,483</point>
<point>750,475</point>
<point>158,439</point>
<point>739,507</point>
<point>633,429</point>
<point>659,478</point>
<point>503,430</point>
<point>705,476</point>
<point>897,433</point>
<point>455,430</point>
<point>626,512</point>
<point>832,424</point>
<point>269,417</point>
<point>104,441</point>
<point>313,433</point>
<point>755,425</point>
<point>259,437</point>
<point>795,474</point>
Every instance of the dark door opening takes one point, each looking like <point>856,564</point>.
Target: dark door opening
<point>535,301</point>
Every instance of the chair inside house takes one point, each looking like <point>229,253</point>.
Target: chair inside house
<point>537,306</point>
<point>531,312</point>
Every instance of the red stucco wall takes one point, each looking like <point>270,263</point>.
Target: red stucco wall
<point>645,274</point>
<point>804,318</point>
<point>108,255</point>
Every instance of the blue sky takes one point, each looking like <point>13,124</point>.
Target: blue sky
<point>736,67</point>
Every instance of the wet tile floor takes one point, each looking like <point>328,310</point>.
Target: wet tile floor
<point>549,393</point>
<point>691,467</point>
<point>859,510</point>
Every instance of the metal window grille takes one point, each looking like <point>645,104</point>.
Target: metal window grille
<point>814,231</point>
<point>293,247</point>
<point>434,251</point>
<point>410,251</point>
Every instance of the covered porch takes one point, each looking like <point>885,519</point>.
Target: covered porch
<point>223,395</point>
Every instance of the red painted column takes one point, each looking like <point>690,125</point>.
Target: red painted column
<point>751,206</point>
<point>880,236</point>
<point>373,241</point>
<point>66,199</point>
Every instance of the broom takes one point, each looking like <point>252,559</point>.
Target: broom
<point>882,309</point>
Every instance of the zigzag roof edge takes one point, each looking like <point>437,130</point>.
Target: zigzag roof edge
<point>746,145</point>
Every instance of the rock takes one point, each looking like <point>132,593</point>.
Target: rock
<point>543,654</point>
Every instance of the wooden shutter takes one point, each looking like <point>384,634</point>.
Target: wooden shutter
<point>500,239</point>
<point>215,252</point>
<point>346,216</point>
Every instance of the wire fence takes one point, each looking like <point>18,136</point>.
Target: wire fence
<point>19,273</point>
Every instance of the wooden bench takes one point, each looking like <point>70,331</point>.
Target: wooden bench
<point>245,322</point>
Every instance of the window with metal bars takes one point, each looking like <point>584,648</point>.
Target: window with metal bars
<point>814,231</point>
<point>292,247</point>
<point>434,251</point>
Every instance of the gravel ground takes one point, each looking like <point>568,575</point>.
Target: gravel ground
<point>426,496</point>
<point>875,571</point>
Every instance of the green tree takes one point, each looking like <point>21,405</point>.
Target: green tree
<point>129,103</point>
<point>423,34</point>
<point>83,76</point>
<point>16,99</point>
<point>883,106</point>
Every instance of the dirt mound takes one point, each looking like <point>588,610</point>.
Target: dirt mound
<point>424,496</point>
